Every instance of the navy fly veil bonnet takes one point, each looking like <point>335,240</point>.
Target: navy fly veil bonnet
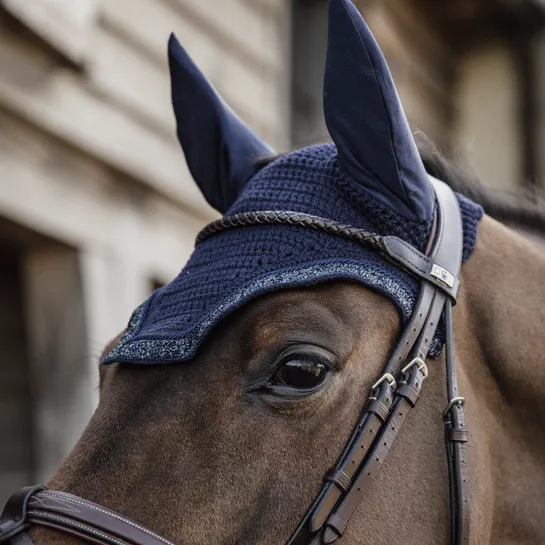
<point>371,177</point>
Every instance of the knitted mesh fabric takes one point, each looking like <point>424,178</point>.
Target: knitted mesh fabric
<point>235,266</point>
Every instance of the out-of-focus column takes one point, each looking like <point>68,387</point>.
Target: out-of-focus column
<point>63,386</point>
<point>488,123</point>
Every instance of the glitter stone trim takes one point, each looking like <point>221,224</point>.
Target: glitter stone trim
<point>132,349</point>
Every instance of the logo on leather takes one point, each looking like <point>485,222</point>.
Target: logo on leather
<point>443,275</point>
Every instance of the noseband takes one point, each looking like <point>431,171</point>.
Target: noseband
<point>391,398</point>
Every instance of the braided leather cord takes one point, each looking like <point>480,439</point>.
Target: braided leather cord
<point>298,219</point>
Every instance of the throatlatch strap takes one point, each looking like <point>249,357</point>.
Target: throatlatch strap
<point>456,437</point>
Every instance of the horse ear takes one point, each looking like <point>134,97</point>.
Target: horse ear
<point>221,151</point>
<point>366,120</point>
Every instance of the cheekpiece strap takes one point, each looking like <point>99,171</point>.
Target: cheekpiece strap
<point>397,391</point>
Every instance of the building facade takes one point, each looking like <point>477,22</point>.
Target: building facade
<point>470,74</point>
<point>97,208</point>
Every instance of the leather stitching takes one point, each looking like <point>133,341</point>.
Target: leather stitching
<point>113,515</point>
<point>85,528</point>
<point>38,501</point>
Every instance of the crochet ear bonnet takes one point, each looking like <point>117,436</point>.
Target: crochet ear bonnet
<point>370,177</point>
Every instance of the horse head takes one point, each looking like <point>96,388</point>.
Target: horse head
<point>236,387</point>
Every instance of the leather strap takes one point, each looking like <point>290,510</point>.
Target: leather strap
<point>421,266</point>
<point>14,517</point>
<point>373,416</point>
<point>406,397</point>
<point>92,521</point>
<point>72,515</point>
<point>456,437</point>
<point>443,264</point>
<point>456,434</point>
<point>383,415</point>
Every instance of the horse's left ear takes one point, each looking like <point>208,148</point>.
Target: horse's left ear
<point>366,120</point>
<point>221,151</point>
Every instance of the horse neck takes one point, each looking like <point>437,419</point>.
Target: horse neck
<point>504,315</point>
<point>499,338</point>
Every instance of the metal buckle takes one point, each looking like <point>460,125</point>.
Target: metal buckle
<point>389,378</point>
<point>422,367</point>
<point>456,401</point>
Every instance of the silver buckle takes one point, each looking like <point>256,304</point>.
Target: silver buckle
<point>389,378</point>
<point>422,367</point>
<point>456,401</point>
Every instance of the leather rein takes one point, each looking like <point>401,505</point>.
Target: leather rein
<point>391,398</point>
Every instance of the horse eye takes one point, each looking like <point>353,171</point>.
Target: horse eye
<point>300,373</point>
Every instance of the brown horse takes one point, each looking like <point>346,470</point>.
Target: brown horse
<point>200,455</point>
<point>189,451</point>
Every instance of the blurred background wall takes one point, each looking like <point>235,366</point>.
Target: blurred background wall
<point>97,208</point>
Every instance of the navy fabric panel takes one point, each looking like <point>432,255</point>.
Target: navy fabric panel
<point>234,267</point>
<point>366,120</point>
<point>221,151</point>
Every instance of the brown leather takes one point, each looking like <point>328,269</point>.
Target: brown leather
<point>349,467</point>
<point>368,426</point>
<point>406,397</point>
<point>92,521</point>
<point>14,515</point>
<point>376,407</point>
<point>450,244</point>
<point>413,329</point>
<point>339,478</point>
<point>459,436</point>
<point>87,536</point>
<point>411,259</point>
<point>456,438</point>
<point>364,455</point>
<point>338,520</point>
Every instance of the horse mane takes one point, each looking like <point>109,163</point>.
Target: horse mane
<point>523,209</point>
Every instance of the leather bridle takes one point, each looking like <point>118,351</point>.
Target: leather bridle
<point>393,395</point>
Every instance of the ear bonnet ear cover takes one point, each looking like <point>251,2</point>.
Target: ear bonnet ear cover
<point>366,120</point>
<point>221,151</point>
<point>371,178</point>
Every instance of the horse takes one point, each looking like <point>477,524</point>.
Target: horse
<point>226,439</point>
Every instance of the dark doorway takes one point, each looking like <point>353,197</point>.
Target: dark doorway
<point>16,459</point>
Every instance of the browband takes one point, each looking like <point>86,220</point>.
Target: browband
<point>435,269</point>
